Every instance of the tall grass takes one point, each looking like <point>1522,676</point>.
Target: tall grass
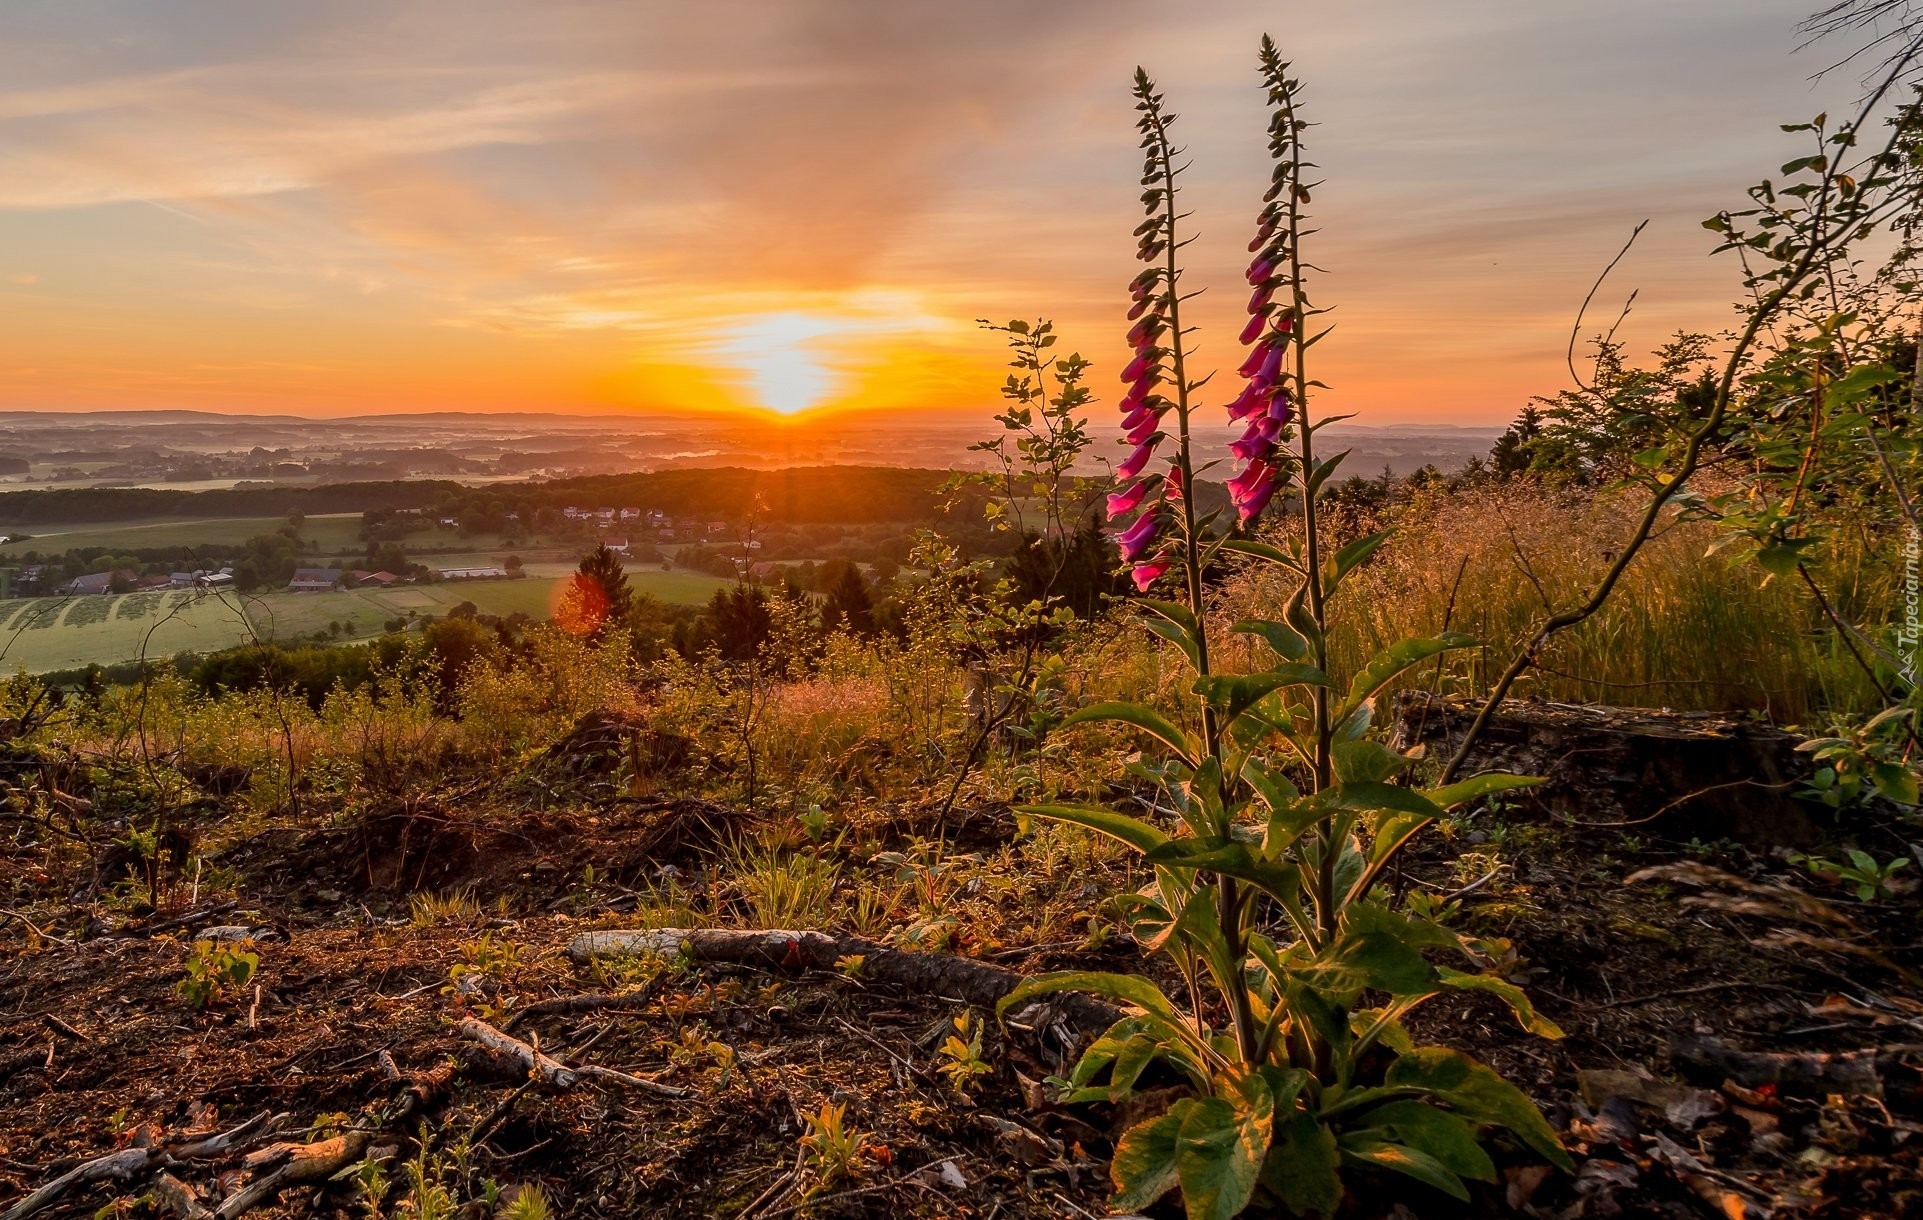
<point>1685,629</point>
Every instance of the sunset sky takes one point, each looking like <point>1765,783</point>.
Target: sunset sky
<point>336,207</point>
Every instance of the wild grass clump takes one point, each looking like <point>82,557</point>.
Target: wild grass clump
<point>1689,628</point>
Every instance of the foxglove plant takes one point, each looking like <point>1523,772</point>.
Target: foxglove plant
<point>1298,973</point>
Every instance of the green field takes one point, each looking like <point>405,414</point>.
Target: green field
<point>46,633</point>
<point>336,533</point>
<point>43,633</point>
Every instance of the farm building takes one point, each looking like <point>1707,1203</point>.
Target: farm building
<point>474,573</point>
<point>314,580</point>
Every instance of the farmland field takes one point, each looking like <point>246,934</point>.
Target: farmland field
<point>43,633</point>
<point>336,533</point>
<point>47,633</point>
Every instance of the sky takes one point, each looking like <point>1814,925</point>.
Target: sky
<point>342,207</point>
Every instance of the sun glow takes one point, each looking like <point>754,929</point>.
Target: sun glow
<point>833,354</point>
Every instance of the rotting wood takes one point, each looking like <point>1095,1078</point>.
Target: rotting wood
<point>173,1195</point>
<point>977,983</point>
<point>131,1162</point>
<point>552,1071</point>
<point>1710,1060</point>
<point>280,1166</point>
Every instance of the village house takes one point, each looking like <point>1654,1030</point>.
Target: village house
<point>482,573</point>
<point>314,580</point>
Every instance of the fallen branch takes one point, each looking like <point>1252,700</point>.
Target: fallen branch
<point>279,1166</point>
<point>121,1165</point>
<point>130,1162</point>
<point>973,982</point>
<point>173,1195</point>
<point>1710,1061</point>
<point>553,1071</point>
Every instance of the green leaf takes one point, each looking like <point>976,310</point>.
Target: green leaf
<point>1356,552</point>
<point>1463,791</point>
<point>1262,551</point>
<point>1782,558</point>
<point>1375,959</point>
<point>1478,1094</point>
<point>1233,694</point>
<point>1128,988</point>
<point>1130,830</point>
<point>1231,859</point>
<point>1283,640</point>
<point>1143,1168</point>
<point>1895,782</point>
<point>1366,762</point>
<point>1508,993</point>
<point>1145,719</point>
<point>1358,1147</point>
<point>1368,795</point>
<point>1388,664</point>
<point>1275,789</point>
<point>1219,1153</point>
<point>1175,635</point>
<point>1301,1169</point>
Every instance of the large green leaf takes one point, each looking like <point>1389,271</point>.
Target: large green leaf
<point>1360,1148</point>
<point>1369,795</point>
<point>1366,761</point>
<point>1302,1166</point>
<point>1508,993</point>
<point>1393,660</point>
<point>1354,554</point>
<point>1219,1153</point>
<point>1375,958</point>
<point>1262,551</point>
<point>1143,1168</point>
<point>1444,1136</point>
<point>1128,988</point>
<point>1279,879</point>
<point>1477,1093</point>
<point>1180,638</point>
<point>1133,831</point>
<point>1146,719</point>
<point>1463,791</point>
<point>1233,694</point>
<point>1283,640</point>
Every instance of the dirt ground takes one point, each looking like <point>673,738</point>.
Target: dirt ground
<point>1639,948</point>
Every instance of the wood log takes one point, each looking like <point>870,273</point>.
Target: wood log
<point>279,1166</point>
<point>1710,775</point>
<point>553,1071</point>
<point>970,981</point>
<point>1710,1061</point>
<point>128,1163</point>
<point>120,1165</point>
<point>172,1195</point>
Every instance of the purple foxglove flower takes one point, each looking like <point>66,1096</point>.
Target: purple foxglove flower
<point>1242,485</point>
<point>1145,384</point>
<point>1280,409</point>
<point>1264,229</point>
<point>1146,574</point>
<point>1253,398</point>
<point>1172,486</point>
<point>1257,324</point>
<point>1143,410</point>
<point>1257,360</point>
<point>1144,428</point>
<point>1143,364</point>
<point>1260,298</point>
<point>1135,311</point>
<point>1135,539</point>
<point>1135,400</point>
<point>1144,333</point>
<point>1272,362</point>
<point>1133,463</point>
<point>1250,506</point>
<point>1261,269</point>
<point>1123,502</point>
<point>1258,443</point>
